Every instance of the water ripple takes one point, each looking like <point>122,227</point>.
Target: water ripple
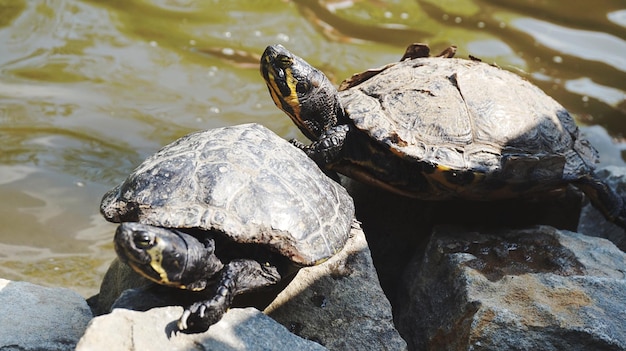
<point>589,45</point>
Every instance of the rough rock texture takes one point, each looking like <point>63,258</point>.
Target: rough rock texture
<point>591,220</point>
<point>34,317</point>
<point>240,329</point>
<point>530,289</point>
<point>340,303</point>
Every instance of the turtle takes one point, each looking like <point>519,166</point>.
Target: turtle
<point>233,209</point>
<point>439,128</point>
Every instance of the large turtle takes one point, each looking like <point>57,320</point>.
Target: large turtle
<point>232,209</point>
<point>437,128</point>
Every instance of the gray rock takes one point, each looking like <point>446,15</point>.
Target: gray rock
<point>119,277</point>
<point>340,303</point>
<point>239,329</point>
<point>34,317</point>
<point>532,289</point>
<point>591,220</point>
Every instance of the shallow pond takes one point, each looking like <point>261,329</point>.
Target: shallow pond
<point>88,89</point>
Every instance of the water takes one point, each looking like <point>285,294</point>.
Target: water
<point>88,89</point>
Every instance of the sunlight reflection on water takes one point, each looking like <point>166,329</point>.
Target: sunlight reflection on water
<point>593,46</point>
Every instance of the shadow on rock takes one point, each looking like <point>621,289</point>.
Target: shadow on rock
<point>398,228</point>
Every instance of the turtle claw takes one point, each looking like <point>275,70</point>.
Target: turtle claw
<point>199,317</point>
<point>182,322</point>
<point>297,143</point>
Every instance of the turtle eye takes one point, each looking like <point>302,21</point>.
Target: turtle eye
<point>143,240</point>
<point>302,88</point>
<point>284,61</point>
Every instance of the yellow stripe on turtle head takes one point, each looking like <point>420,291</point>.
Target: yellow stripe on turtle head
<point>283,89</point>
<point>292,99</point>
<point>156,263</point>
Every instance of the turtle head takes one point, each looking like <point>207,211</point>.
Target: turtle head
<point>300,90</point>
<point>165,256</point>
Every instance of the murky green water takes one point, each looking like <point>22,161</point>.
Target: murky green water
<point>90,88</point>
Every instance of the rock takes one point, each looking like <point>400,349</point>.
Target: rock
<point>34,317</point>
<point>340,303</point>
<point>527,289</point>
<point>119,277</point>
<point>239,329</point>
<point>591,220</point>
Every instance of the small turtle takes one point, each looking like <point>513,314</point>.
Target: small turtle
<point>236,208</point>
<point>437,128</point>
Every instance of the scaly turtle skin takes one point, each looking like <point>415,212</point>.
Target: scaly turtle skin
<point>437,128</point>
<point>234,208</point>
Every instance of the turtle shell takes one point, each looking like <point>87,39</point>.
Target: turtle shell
<point>467,115</point>
<point>243,181</point>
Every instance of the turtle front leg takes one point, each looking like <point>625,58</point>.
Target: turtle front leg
<point>237,277</point>
<point>327,148</point>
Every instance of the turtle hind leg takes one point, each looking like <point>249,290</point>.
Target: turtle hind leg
<point>238,276</point>
<point>605,199</point>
